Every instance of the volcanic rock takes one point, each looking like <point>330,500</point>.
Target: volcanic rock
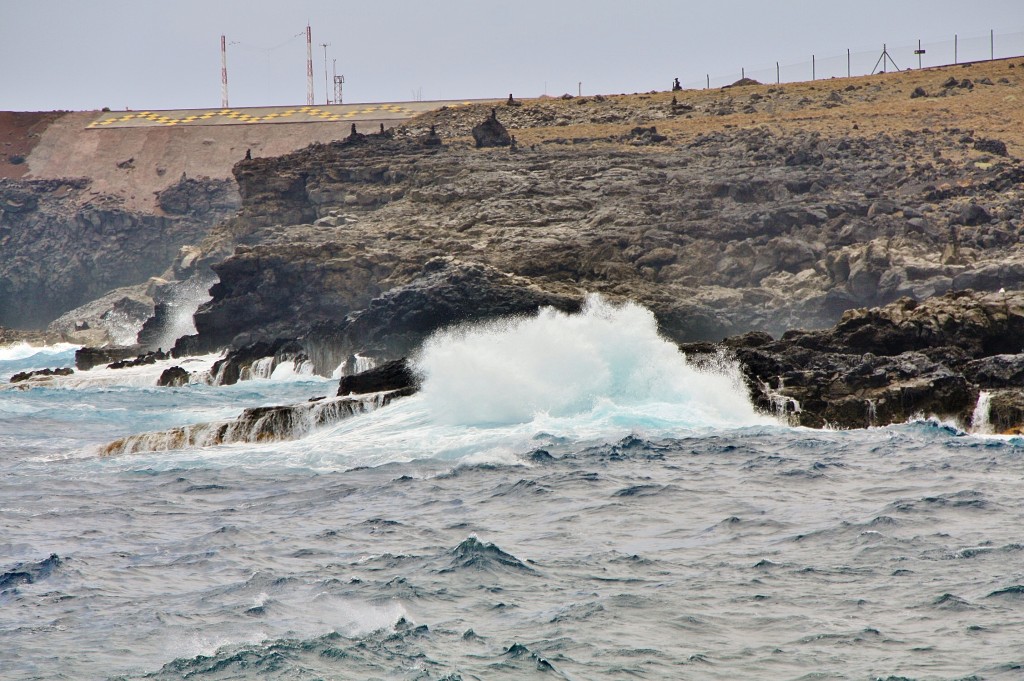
<point>991,146</point>
<point>26,375</point>
<point>394,375</point>
<point>890,364</point>
<point>491,133</point>
<point>173,377</point>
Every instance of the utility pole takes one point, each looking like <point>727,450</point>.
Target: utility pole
<point>223,73</point>
<point>309,66</point>
<point>327,89</point>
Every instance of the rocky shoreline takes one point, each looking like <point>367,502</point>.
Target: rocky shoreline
<point>957,357</point>
<point>896,249</point>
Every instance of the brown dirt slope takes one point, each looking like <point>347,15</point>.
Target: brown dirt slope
<point>134,163</point>
<point>19,133</point>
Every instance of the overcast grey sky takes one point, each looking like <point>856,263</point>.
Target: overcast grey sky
<point>152,54</point>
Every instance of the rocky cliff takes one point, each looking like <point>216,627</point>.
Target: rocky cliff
<point>784,221</point>
<point>62,244</point>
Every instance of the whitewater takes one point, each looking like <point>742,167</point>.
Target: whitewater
<point>566,497</point>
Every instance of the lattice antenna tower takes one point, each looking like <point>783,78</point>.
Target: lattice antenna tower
<point>339,84</point>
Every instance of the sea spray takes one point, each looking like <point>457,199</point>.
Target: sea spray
<point>560,365</point>
<point>980,420</point>
<point>181,305</point>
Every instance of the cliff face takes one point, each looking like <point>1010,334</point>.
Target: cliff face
<point>63,244</point>
<point>718,233</point>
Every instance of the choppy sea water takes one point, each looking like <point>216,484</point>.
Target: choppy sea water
<point>565,498</point>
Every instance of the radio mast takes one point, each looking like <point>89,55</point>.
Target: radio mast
<point>309,66</point>
<point>223,73</point>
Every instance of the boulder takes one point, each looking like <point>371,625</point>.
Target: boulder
<point>491,133</point>
<point>173,377</point>
<point>991,146</point>
<point>971,214</point>
<point>393,375</point>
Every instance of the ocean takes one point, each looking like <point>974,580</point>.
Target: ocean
<point>565,498</point>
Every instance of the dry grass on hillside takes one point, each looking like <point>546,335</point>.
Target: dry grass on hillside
<point>864,106</point>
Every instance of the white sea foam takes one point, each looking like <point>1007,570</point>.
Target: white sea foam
<point>22,350</point>
<point>599,362</point>
<point>145,375</point>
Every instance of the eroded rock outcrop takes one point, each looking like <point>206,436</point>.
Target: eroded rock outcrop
<point>65,244</point>
<point>491,133</point>
<point>445,293</point>
<point>887,365</point>
<point>256,424</point>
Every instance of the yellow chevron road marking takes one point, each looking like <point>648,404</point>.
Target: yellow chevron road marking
<point>262,114</point>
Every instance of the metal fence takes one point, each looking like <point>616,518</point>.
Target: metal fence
<point>917,54</point>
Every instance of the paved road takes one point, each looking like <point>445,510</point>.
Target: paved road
<point>384,111</point>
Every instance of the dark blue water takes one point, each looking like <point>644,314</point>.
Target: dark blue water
<point>629,532</point>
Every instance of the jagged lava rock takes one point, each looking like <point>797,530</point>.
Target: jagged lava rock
<point>491,133</point>
<point>394,375</point>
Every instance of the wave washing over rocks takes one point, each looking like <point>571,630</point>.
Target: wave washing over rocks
<point>535,404</point>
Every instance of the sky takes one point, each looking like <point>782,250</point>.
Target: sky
<point>165,54</point>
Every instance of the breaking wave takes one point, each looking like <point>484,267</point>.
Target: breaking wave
<point>493,391</point>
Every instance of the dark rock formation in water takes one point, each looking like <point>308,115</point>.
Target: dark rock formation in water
<point>86,358</point>
<point>256,424</point>
<point>26,375</point>
<point>394,375</point>
<point>173,377</point>
<point>239,364</point>
<point>445,293</point>
<point>887,365</point>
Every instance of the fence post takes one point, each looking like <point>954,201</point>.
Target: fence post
<point>743,72</point>
<point>814,69</point>
<point>956,44</point>
<point>778,74</point>
<point>992,43</point>
<point>709,81</point>
<point>847,62</point>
